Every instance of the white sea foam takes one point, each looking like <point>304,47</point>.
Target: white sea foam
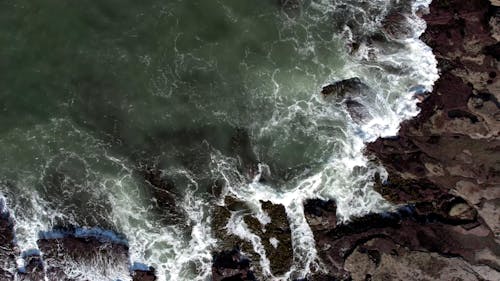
<point>98,268</point>
<point>236,225</point>
<point>3,204</point>
<point>6,265</point>
<point>274,242</point>
<point>172,250</point>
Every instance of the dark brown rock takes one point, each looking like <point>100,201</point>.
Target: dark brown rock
<point>140,275</point>
<point>430,234</point>
<point>345,88</point>
<point>450,147</point>
<point>275,237</point>
<point>320,215</point>
<point>221,215</point>
<point>60,254</point>
<point>231,265</point>
<point>447,150</point>
<point>33,270</point>
<point>443,162</point>
<point>351,92</point>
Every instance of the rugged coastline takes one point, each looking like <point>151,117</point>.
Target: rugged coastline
<point>443,171</point>
<point>443,167</point>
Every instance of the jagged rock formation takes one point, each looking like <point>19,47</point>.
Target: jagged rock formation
<point>444,163</point>
<point>63,253</point>
<point>443,166</point>
<point>452,146</point>
<point>275,236</point>
<point>401,245</point>
<point>351,93</point>
<point>382,259</point>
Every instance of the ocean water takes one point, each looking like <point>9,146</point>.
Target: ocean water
<point>95,92</point>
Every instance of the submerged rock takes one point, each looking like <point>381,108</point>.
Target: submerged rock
<point>347,88</point>
<point>351,92</point>
<point>358,111</point>
<point>291,7</point>
<point>241,148</point>
<point>162,189</point>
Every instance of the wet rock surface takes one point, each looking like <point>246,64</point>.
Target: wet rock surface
<point>140,275</point>
<point>291,7</point>
<point>62,254</point>
<point>164,195</point>
<point>347,88</point>
<point>34,269</point>
<point>7,250</point>
<point>231,265</point>
<point>352,93</point>
<point>275,236</point>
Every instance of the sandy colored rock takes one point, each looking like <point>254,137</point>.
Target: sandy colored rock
<point>490,212</point>
<point>367,261</point>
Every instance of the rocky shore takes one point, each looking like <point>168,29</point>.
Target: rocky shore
<point>444,173</point>
<point>443,168</point>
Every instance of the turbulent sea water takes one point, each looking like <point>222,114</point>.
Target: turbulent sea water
<point>93,93</point>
